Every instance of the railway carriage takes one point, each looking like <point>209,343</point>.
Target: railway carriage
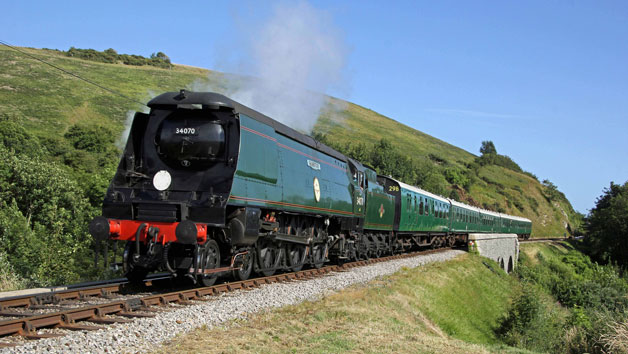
<point>516,225</point>
<point>464,218</point>
<point>489,222</point>
<point>421,218</point>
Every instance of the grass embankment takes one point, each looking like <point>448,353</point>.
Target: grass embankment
<point>449,307</point>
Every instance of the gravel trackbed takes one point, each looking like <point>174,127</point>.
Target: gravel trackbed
<point>145,334</point>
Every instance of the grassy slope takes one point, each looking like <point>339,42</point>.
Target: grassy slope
<point>450,307</point>
<point>510,189</point>
<point>365,125</point>
<point>50,102</point>
<point>517,193</point>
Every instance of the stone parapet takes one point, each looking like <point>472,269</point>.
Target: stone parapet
<point>502,248</point>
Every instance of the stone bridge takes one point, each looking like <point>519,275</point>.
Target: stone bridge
<point>502,248</point>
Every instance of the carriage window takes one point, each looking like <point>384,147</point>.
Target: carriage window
<point>421,207</point>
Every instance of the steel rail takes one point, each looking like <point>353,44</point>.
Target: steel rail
<point>544,239</point>
<point>73,292</point>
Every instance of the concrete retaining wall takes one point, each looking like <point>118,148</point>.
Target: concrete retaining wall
<point>502,248</point>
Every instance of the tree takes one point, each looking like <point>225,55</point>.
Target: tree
<point>160,55</point>
<point>488,148</point>
<point>607,225</point>
<point>551,191</point>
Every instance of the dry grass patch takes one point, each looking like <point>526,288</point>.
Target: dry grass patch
<point>395,314</point>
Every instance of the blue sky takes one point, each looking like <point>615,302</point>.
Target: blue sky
<point>546,81</point>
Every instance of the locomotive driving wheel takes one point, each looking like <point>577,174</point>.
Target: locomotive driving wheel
<point>296,257</point>
<point>297,253</point>
<point>209,259</point>
<point>269,257</point>
<point>451,240</point>
<point>318,255</point>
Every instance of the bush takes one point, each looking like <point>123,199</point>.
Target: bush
<point>532,322</point>
<point>455,176</point>
<point>16,139</point>
<point>110,56</point>
<point>96,139</point>
<point>43,221</point>
<point>498,160</point>
<point>594,295</point>
<point>9,279</point>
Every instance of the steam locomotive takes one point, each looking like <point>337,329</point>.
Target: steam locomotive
<point>208,187</point>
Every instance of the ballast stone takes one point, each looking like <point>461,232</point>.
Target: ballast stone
<point>144,334</point>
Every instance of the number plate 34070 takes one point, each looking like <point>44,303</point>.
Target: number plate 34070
<point>186,131</point>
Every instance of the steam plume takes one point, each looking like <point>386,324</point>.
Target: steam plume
<point>291,60</point>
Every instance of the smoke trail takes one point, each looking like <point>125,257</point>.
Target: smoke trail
<point>295,56</point>
<point>121,141</point>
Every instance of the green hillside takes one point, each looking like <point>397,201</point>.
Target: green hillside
<point>47,103</point>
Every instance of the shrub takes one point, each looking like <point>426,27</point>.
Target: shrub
<point>110,56</point>
<point>15,138</point>
<point>9,279</point>
<point>455,176</point>
<point>594,294</point>
<point>43,221</point>
<point>532,322</point>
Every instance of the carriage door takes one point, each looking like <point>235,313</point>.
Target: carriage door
<point>360,195</point>
<point>357,188</point>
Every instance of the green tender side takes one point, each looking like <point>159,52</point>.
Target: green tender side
<point>422,211</point>
<point>277,172</point>
<point>380,206</point>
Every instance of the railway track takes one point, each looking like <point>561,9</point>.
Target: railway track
<point>89,308</point>
<point>547,239</point>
